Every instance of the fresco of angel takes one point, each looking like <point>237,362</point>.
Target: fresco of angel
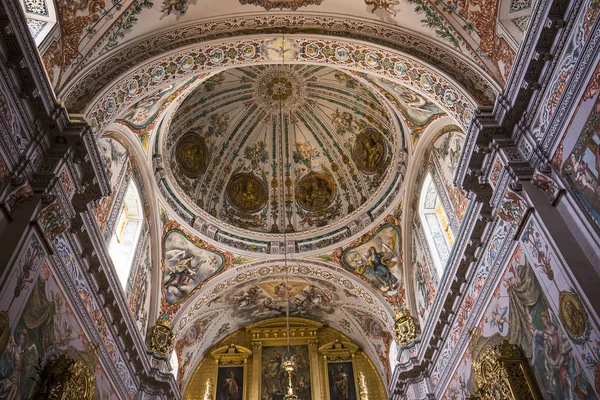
<point>186,266</point>
<point>378,260</point>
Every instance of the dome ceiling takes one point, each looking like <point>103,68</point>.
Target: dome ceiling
<point>247,133</point>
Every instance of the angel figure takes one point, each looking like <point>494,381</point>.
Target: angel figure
<point>21,356</point>
<point>385,4</point>
<point>381,263</point>
<point>499,317</point>
<point>182,272</point>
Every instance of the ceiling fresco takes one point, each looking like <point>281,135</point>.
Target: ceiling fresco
<point>266,297</point>
<point>417,110</point>
<point>245,134</point>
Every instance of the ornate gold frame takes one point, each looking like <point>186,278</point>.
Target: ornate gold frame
<point>272,332</point>
<point>335,352</point>
<point>231,356</point>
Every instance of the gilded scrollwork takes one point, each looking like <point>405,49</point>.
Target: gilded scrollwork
<point>502,372</point>
<point>67,379</point>
<point>404,325</point>
<point>162,337</point>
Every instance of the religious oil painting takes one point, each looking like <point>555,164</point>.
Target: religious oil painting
<point>186,265</point>
<point>370,151</point>
<point>378,259</point>
<point>341,381</point>
<point>230,383</point>
<point>275,379</point>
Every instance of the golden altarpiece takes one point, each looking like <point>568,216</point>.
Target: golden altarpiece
<point>328,363</point>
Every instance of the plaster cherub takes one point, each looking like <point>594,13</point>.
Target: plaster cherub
<point>385,4</point>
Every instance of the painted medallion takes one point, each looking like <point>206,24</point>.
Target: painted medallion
<point>192,155</point>
<point>572,314</point>
<point>370,151</point>
<point>315,191</point>
<point>246,193</point>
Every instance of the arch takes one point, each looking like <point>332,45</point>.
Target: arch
<point>436,226</point>
<point>427,171</point>
<point>192,60</point>
<point>93,72</point>
<point>142,299</point>
<point>204,308</point>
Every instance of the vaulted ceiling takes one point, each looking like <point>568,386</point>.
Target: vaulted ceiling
<point>269,127</point>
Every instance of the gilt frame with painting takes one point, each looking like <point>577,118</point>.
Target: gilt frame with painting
<point>341,384</point>
<point>230,383</point>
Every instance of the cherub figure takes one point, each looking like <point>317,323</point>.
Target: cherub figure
<point>384,4</point>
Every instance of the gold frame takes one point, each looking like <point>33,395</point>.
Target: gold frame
<point>231,356</point>
<point>336,352</point>
<point>272,332</point>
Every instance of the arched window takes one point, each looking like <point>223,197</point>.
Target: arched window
<point>440,237</point>
<point>174,363</point>
<point>127,233</point>
<point>41,18</point>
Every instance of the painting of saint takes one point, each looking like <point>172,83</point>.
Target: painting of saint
<point>370,151</point>
<point>536,329</point>
<point>186,266</point>
<point>246,193</point>
<point>230,383</point>
<point>275,379</point>
<point>315,191</point>
<point>378,260</point>
<point>341,381</point>
<point>191,155</point>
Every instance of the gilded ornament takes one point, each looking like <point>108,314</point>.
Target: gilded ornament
<point>315,191</point>
<point>162,337</point>
<point>66,379</point>
<point>370,151</point>
<point>246,193</point>
<point>404,325</point>
<point>191,155</point>
<point>208,392</point>
<point>502,372</point>
<point>572,314</point>
<point>362,387</point>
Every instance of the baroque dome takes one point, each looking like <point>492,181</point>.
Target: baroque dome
<point>245,133</point>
